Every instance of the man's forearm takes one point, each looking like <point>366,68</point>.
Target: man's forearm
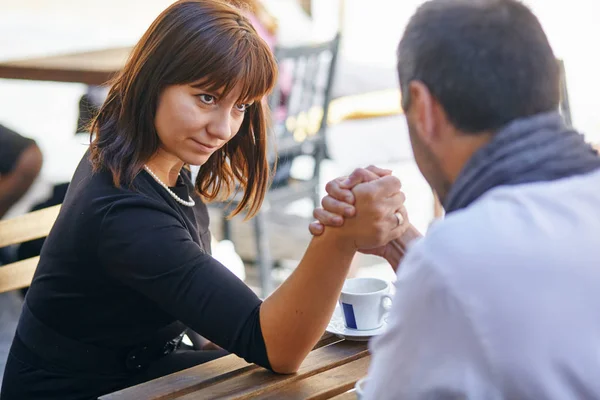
<point>398,248</point>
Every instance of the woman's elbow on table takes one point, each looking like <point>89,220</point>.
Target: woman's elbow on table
<point>286,365</point>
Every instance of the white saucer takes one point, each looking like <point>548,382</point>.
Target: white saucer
<point>337,327</point>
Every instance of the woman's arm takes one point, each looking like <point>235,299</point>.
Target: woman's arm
<point>295,316</point>
<point>145,247</point>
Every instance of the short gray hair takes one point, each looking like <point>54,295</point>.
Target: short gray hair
<point>487,62</point>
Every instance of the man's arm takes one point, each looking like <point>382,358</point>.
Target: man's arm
<point>395,250</point>
<point>430,349</point>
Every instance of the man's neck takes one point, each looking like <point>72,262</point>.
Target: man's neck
<point>463,147</point>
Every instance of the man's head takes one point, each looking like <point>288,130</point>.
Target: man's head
<point>467,68</point>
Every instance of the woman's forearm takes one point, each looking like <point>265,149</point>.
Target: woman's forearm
<point>295,316</point>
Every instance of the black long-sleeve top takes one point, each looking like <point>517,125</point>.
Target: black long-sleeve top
<point>122,263</point>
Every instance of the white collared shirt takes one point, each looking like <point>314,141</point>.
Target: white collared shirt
<point>500,300</point>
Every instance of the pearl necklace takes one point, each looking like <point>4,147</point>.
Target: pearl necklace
<point>190,203</point>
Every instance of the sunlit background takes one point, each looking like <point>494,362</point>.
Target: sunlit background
<point>48,111</point>
<point>371,29</point>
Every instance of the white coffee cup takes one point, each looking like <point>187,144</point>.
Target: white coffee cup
<point>364,302</point>
<point>360,388</point>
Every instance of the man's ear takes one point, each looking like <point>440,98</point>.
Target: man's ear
<point>423,111</point>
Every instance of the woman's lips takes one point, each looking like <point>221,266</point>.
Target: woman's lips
<point>204,147</point>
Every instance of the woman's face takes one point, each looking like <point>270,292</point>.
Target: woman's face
<point>192,123</point>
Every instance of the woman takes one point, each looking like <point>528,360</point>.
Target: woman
<point>127,265</point>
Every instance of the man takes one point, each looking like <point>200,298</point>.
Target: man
<point>501,299</point>
<point>20,164</point>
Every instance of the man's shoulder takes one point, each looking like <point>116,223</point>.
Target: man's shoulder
<point>518,223</point>
<point>470,233</point>
<point>514,231</point>
<point>491,237</point>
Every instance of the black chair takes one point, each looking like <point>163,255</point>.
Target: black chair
<point>299,109</point>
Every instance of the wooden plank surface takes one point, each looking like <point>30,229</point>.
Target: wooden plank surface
<point>186,381</point>
<point>17,275</point>
<point>326,340</point>
<point>324,385</point>
<point>193,379</point>
<point>255,383</point>
<point>92,67</point>
<point>350,395</point>
<point>33,225</point>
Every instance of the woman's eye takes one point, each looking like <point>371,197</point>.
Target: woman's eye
<point>207,98</point>
<point>242,107</point>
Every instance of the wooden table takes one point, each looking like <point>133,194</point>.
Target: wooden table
<point>91,67</point>
<point>329,372</point>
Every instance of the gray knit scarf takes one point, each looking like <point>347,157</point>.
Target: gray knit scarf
<point>539,148</point>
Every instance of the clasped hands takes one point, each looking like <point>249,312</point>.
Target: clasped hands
<point>368,206</point>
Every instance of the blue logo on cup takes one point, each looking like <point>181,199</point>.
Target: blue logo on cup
<point>349,315</point>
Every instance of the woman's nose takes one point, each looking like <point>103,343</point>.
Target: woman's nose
<point>220,126</point>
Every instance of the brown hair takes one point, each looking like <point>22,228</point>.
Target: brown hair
<point>191,41</point>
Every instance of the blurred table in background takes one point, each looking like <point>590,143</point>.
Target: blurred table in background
<point>92,68</point>
<point>99,66</point>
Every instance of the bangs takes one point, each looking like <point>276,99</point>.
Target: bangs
<point>241,60</point>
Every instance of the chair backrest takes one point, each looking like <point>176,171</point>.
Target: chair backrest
<point>30,226</point>
<point>564,106</point>
<point>300,101</point>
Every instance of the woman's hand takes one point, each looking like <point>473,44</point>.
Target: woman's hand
<point>339,206</point>
<point>373,205</point>
<point>339,202</point>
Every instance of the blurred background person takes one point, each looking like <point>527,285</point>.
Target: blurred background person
<point>20,163</point>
